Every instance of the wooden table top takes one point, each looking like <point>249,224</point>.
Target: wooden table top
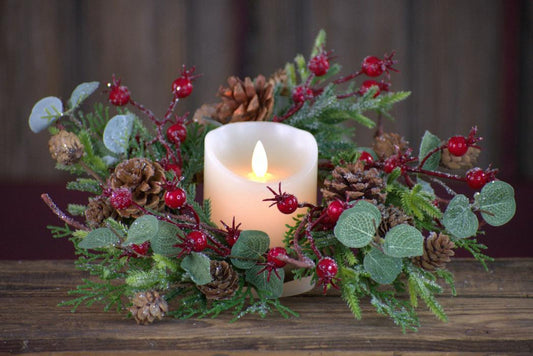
<point>492,314</point>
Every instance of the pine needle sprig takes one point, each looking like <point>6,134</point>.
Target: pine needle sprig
<point>475,248</point>
<point>422,284</point>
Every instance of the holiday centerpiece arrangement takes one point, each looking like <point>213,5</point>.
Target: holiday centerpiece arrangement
<point>383,229</point>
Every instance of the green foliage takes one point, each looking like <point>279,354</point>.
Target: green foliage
<point>197,265</point>
<point>419,204</point>
<point>496,203</point>
<point>142,229</point>
<point>400,311</point>
<point>88,185</point>
<point>76,209</point>
<point>459,219</point>
<point>357,226</point>
<point>382,268</point>
<point>429,143</point>
<point>269,283</point>
<point>403,241</point>
<point>423,284</point>
<point>249,248</point>
<point>101,237</point>
<point>193,151</point>
<point>475,248</point>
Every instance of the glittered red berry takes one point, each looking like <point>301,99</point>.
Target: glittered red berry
<point>366,158</point>
<point>177,133</point>
<point>326,268</point>
<point>182,87</point>
<point>197,241</point>
<point>476,178</point>
<point>141,249</point>
<point>390,164</point>
<point>457,145</point>
<point>367,84</point>
<point>121,198</point>
<point>301,94</point>
<point>272,256</point>
<point>334,210</point>
<point>372,66</point>
<point>319,64</point>
<point>175,168</point>
<point>288,204</point>
<point>176,198</point>
<point>119,95</point>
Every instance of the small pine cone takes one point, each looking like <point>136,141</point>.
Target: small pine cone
<point>245,100</point>
<point>280,78</point>
<point>352,182</point>
<point>390,217</point>
<point>388,144</point>
<point>457,162</point>
<point>147,306</point>
<point>65,147</point>
<point>143,178</point>
<point>225,281</point>
<point>437,252</point>
<point>98,210</point>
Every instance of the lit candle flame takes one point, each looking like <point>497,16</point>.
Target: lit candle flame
<point>259,160</point>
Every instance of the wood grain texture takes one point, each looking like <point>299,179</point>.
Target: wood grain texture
<point>492,314</point>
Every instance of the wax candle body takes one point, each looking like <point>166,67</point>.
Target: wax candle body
<point>229,183</point>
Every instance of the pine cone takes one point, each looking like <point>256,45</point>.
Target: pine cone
<point>65,147</point>
<point>437,252</point>
<point>390,217</point>
<point>98,210</point>
<point>225,281</point>
<point>280,78</point>
<point>245,100</point>
<point>457,162</point>
<point>147,306</point>
<point>353,182</point>
<point>388,144</point>
<point>143,178</point>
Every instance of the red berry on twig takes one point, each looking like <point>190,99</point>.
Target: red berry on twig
<point>176,198</point>
<point>476,178</point>
<point>197,241</point>
<point>272,256</point>
<point>182,86</point>
<point>326,270</point>
<point>366,158</point>
<point>457,145</point>
<point>301,94</point>
<point>372,66</point>
<point>390,164</point>
<point>319,64</point>
<point>334,210</point>
<point>121,198</point>
<point>232,233</point>
<point>286,203</point>
<point>119,95</point>
<point>177,133</point>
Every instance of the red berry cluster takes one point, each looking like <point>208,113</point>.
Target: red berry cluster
<point>119,95</point>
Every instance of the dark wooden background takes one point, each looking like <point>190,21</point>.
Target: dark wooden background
<point>466,62</point>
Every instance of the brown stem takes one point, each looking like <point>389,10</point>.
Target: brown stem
<point>60,214</point>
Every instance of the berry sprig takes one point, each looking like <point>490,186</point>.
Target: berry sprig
<point>372,66</point>
<point>119,95</point>
<point>286,203</point>
<point>274,260</point>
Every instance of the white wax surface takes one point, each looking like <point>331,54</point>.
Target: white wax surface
<point>228,179</point>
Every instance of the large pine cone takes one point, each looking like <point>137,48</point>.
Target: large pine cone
<point>388,144</point>
<point>98,210</point>
<point>390,217</point>
<point>457,162</point>
<point>437,252</point>
<point>148,306</point>
<point>65,147</point>
<point>143,178</point>
<point>352,182</point>
<point>245,100</point>
<point>225,281</point>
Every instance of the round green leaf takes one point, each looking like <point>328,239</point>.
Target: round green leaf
<point>356,226</point>
<point>142,229</point>
<point>44,113</point>
<point>198,266</point>
<point>117,133</point>
<point>404,241</point>
<point>272,286</point>
<point>382,268</point>
<point>249,248</point>
<point>101,237</point>
<point>497,203</point>
<point>163,242</point>
<point>82,92</point>
<point>429,143</point>
<point>459,219</point>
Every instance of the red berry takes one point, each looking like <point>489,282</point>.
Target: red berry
<point>334,210</point>
<point>457,145</point>
<point>366,158</point>
<point>390,164</point>
<point>273,254</point>
<point>476,178</point>
<point>121,198</point>
<point>327,268</point>
<point>119,95</point>
<point>175,199</point>
<point>319,64</point>
<point>197,241</point>
<point>177,133</point>
<point>141,249</point>
<point>182,87</point>
<point>301,94</point>
<point>372,66</point>
<point>175,168</point>
<point>367,84</point>
<point>232,237</point>
<point>287,204</point>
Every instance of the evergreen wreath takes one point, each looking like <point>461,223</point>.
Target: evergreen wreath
<point>388,221</point>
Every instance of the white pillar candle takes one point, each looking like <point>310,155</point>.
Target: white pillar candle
<point>236,191</point>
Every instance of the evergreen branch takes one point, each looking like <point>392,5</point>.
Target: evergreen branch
<point>475,248</point>
<point>76,209</point>
<point>85,185</point>
<point>422,283</point>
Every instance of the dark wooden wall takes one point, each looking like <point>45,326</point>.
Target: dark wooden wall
<point>466,62</point>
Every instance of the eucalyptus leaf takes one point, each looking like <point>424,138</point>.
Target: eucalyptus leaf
<point>382,268</point>
<point>249,248</point>
<point>459,219</point>
<point>429,143</point>
<point>198,266</point>
<point>117,133</point>
<point>142,229</point>
<point>404,241</point>
<point>497,203</point>
<point>357,226</point>
<point>101,237</point>
<point>165,239</point>
<point>44,113</point>
<point>82,92</point>
<point>272,286</point>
